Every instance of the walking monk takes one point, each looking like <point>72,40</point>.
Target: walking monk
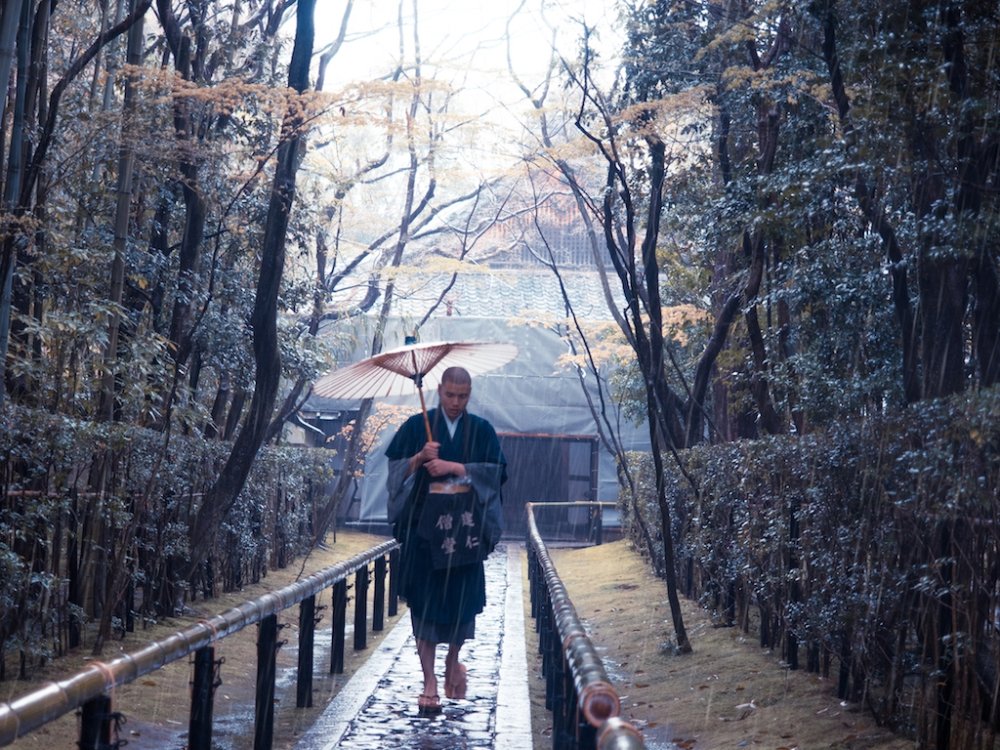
<point>443,546</point>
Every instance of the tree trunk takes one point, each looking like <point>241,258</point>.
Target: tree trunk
<point>976,183</point>
<point>867,201</point>
<point>666,531</point>
<point>221,497</point>
<point>212,430</point>
<point>22,177</point>
<point>943,299</point>
<point>12,183</point>
<point>643,295</point>
<point>986,319</point>
<point>8,33</point>
<point>126,161</point>
<point>235,413</point>
<point>195,209</point>
<point>116,583</point>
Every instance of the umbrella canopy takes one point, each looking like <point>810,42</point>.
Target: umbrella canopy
<point>405,370</point>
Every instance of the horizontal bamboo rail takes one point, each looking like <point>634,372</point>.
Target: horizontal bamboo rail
<point>52,700</point>
<point>584,703</point>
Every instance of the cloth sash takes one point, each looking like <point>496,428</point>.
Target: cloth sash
<point>460,521</point>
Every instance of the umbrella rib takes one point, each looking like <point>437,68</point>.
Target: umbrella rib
<point>396,372</point>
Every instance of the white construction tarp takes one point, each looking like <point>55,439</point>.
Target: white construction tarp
<point>534,394</point>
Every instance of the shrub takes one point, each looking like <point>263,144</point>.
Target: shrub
<point>79,497</point>
<point>873,546</point>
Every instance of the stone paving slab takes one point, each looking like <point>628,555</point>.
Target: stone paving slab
<point>377,708</point>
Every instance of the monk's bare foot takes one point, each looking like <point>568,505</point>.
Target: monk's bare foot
<point>428,705</point>
<point>456,682</point>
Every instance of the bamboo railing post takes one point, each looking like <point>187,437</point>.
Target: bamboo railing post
<point>307,633</point>
<point>95,724</point>
<point>339,626</point>
<point>378,603</point>
<point>203,686</point>
<point>394,582</point>
<point>361,608</point>
<point>267,649</point>
<point>561,709</point>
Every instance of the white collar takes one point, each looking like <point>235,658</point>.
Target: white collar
<point>452,426</point>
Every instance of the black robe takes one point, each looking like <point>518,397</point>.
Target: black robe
<point>447,600</point>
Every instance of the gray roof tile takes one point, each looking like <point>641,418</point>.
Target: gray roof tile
<point>508,293</point>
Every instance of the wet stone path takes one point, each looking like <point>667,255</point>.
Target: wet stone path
<point>377,708</point>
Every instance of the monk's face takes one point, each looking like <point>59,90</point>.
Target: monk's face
<point>454,398</point>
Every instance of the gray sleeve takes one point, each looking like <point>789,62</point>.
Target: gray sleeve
<point>400,486</point>
<point>485,480</point>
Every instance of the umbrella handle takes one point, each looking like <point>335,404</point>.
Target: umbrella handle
<point>418,380</point>
<point>427,421</point>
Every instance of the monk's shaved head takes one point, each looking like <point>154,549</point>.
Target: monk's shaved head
<point>456,376</point>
